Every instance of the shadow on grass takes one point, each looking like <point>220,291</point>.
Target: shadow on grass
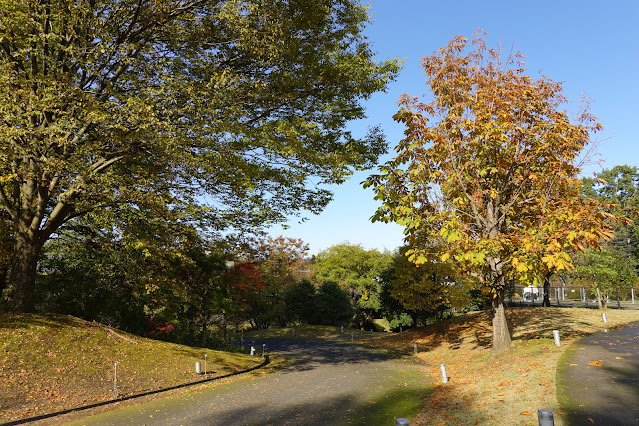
<point>474,330</point>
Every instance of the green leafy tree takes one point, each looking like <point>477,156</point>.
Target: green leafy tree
<point>358,272</point>
<point>94,276</point>
<point>607,271</point>
<point>431,287</point>
<point>332,305</point>
<point>300,303</point>
<point>135,108</point>
<point>619,187</point>
<point>489,167</point>
<point>282,263</point>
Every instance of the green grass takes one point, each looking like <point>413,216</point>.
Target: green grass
<point>55,362</point>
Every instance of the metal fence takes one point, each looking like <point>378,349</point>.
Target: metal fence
<point>570,296</point>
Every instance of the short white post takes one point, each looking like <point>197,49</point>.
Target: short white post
<point>401,329</point>
<point>293,331</point>
<point>341,329</point>
<point>603,315</point>
<point>263,349</point>
<point>414,348</point>
<point>632,292</point>
<point>115,379</point>
<point>198,368</point>
<point>252,350</point>
<point>442,370</point>
<point>556,336</point>
<point>352,336</point>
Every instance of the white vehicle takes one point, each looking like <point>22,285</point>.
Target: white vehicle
<point>531,293</point>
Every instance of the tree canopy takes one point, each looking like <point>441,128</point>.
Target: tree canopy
<point>225,112</point>
<point>619,188</point>
<point>487,174</point>
<point>357,271</point>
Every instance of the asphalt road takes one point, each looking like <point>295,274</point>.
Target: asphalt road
<point>327,384</point>
<point>598,379</point>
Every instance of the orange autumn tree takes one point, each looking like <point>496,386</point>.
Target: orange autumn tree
<point>487,173</point>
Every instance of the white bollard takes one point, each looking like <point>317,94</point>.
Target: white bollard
<point>198,368</point>
<point>115,379</point>
<point>352,336</point>
<point>603,315</point>
<point>414,348</point>
<point>442,370</point>
<point>401,329</point>
<point>556,336</point>
<point>342,329</point>
<point>263,349</point>
<point>293,331</point>
<point>252,351</point>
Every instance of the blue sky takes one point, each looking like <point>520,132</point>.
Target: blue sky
<point>591,46</point>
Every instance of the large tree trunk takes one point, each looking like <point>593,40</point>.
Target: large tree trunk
<point>501,334</point>
<point>17,295</point>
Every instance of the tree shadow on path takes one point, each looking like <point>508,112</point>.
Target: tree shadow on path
<point>598,380</point>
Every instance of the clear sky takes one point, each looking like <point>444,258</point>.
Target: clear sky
<point>591,46</point>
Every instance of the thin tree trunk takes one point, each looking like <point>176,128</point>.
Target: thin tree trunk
<point>17,295</point>
<point>599,298</point>
<point>501,334</point>
<point>546,302</point>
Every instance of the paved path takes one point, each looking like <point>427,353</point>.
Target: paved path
<point>328,384</point>
<point>598,381</point>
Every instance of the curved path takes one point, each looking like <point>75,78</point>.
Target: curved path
<point>326,384</point>
<point>598,378</point>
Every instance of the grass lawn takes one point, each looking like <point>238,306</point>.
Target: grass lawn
<point>54,362</point>
<point>505,389</point>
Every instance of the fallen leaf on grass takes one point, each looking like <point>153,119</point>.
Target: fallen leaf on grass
<point>573,365</point>
<point>525,413</point>
<point>619,357</point>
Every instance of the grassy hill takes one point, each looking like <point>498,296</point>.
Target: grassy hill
<point>55,362</point>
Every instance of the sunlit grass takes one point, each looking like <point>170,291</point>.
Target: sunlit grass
<point>54,362</point>
<point>504,389</point>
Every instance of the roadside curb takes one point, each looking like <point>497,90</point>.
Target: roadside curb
<point>267,360</point>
